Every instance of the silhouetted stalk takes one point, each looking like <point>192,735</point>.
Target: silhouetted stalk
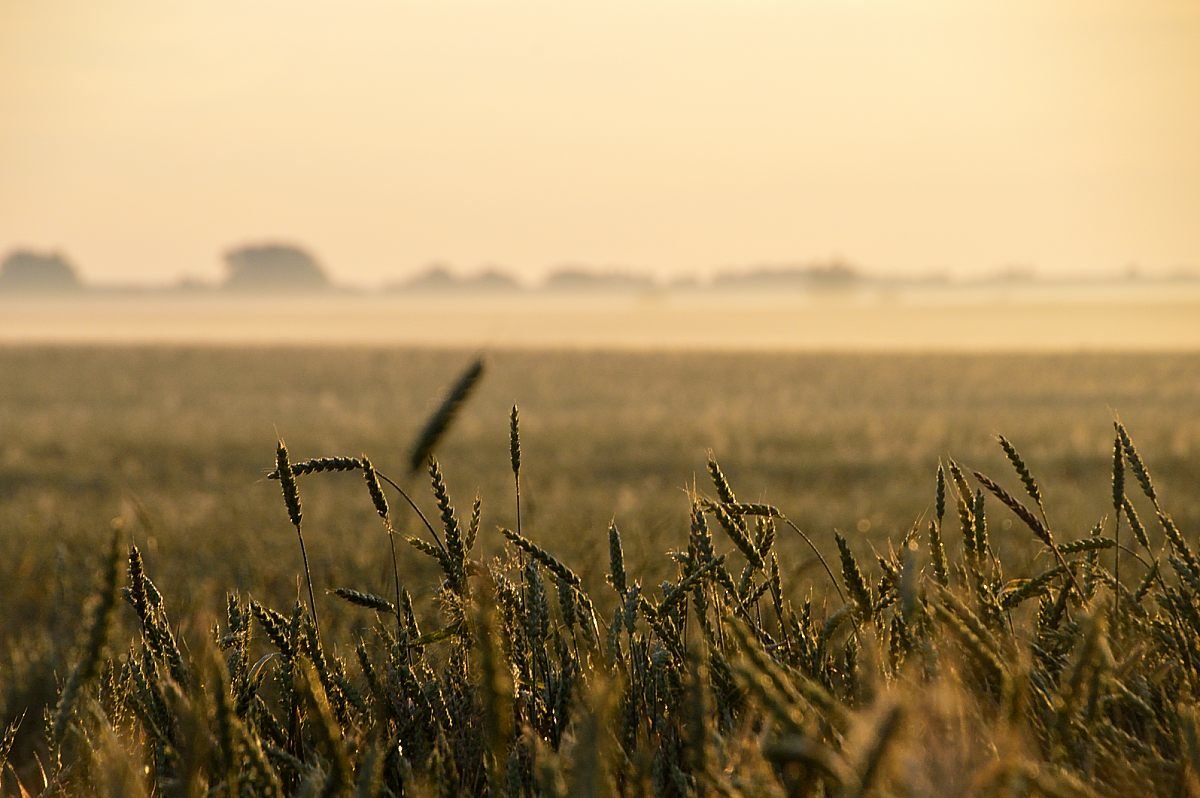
<point>817,552</point>
<point>436,538</point>
<point>291,499</point>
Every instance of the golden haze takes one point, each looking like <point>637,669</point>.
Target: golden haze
<point>673,136</point>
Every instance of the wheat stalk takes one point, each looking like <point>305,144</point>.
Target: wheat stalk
<point>435,428</point>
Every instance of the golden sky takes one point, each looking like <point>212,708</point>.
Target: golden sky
<point>144,137</point>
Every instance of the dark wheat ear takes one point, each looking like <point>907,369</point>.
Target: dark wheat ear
<point>456,551</point>
<point>291,499</point>
<point>514,440</point>
<point>435,428</point>
<point>1035,524</point>
<point>375,489</point>
<point>1018,463</point>
<point>89,659</point>
<point>514,456</point>
<point>1118,498</point>
<point>616,560</point>
<point>368,600</point>
<point>1135,464</point>
<point>855,583</point>
<point>317,465</point>
<point>720,483</point>
<point>940,499</point>
<point>287,483</point>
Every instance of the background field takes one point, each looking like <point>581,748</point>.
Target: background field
<point>174,443</point>
<point>1111,316</point>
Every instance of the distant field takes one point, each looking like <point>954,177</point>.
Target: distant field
<point>176,442</point>
<point>962,319</point>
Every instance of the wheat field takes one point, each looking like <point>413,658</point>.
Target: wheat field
<point>730,574</point>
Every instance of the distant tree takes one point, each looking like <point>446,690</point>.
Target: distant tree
<point>1013,273</point>
<point>581,279</point>
<point>192,285</point>
<point>27,271</point>
<point>684,282</point>
<point>493,280</point>
<point>438,279</point>
<point>821,275</point>
<point>1184,274</point>
<point>274,268</point>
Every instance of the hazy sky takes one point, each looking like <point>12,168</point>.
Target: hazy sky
<point>143,138</point>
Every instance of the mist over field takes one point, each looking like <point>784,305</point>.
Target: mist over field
<point>1025,320</point>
